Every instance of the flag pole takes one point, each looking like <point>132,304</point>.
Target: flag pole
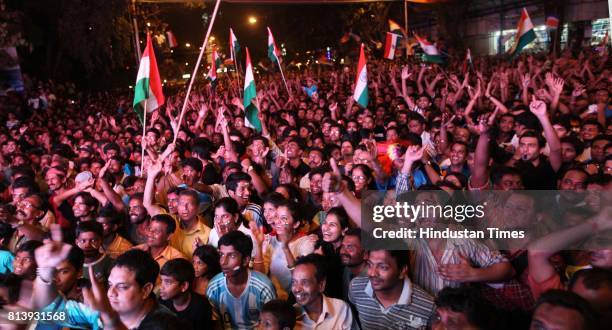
<point>283,76</point>
<point>236,70</point>
<point>406,27</point>
<point>142,143</point>
<point>195,70</point>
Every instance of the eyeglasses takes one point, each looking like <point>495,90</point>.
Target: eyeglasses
<point>359,177</point>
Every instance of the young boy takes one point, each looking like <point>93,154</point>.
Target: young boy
<point>277,315</point>
<point>176,293</point>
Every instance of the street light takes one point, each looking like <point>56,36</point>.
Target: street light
<point>252,19</point>
<point>187,45</point>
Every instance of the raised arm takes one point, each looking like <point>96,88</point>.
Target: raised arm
<point>538,108</point>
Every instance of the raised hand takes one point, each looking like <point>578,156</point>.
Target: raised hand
<point>578,90</point>
<point>537,107</point>
<point>405,73</point>
<point>413,154</point>
<point>54,251</point>
<point>257,233</point>
<point>526,80</point>
<point>557,85</point>
<point>96,298</point>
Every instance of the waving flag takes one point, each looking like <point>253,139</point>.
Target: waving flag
<point>360,95</point>
<point>431,51</point>
<point>524,35</point>
<point>274,53</point>
<point>391,45</point>
<point>171,40</point>
<point>234,45</point>
<point>212,73</point>
<point>250,111</point>
<point>603,44</point>
<point>148,89</point>
<point>396,28</point>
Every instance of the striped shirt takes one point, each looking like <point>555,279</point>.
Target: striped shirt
<point>424,265</point>
<point>254,212</point>
<point>412,310</point>
<point>239,312</point>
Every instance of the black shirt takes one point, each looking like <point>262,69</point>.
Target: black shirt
<point>198,313</point>
<point>542,177</point>
<point>161,318</point>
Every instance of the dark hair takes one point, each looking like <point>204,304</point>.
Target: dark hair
<point>592,278</point>
<point>341,214</point>
<point>6,232</point>
<point>43,203</point>
<point>29,247</point>
<point>12,283</point>
<point>294,192</point>
<point>534,134</point>
<point>498,174</point>
<point>283,311</point>
<point>109,212</point>
<point>194,163</point>
<point>296,211</point>
<point>570,300</point>
<point>319,263</point>
<point>167,220</point>
<point>25,182</point>
<point>353,232</point>
<point>180,269</point>
<point>141,263</point>
<point>467,301</point>
<point>401,257</point>
<point>233,179</point>
<point>228,204</point>
<point>210,256</point>
<point>191,193</point>
<point>175,190</point>
<point>139,196</point>
<point>274,198</point>
<point>76,258</point>
<point>239,241</point>
<point>89,227</point>
<point>575,142</point>
<point>87,199</point>
<point>321,170</point>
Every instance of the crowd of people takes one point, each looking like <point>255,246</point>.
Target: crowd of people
<point>230,227</point>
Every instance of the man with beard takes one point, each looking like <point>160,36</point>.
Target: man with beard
<point>27,221</point>
<point>386,298</point>
<point>89,236</point>
<point>238,294</point>
<point>85,207</point>
<point>315,309</point>
<point>139,220</point>
<point>353,257</point>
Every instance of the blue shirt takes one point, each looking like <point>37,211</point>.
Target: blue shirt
<point>73,314</point>
<point>239,312</point>
<point>6,262</point>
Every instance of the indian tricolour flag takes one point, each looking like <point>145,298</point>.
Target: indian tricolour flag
<point>234,45</point>
<point>148,89</point>
<point>391,45</point>
<point>431,51</point>
<point>360,95</point>
<point>273,53</point>
<point>212,73</point>
<point>524,34</point>
<point>250,111</point>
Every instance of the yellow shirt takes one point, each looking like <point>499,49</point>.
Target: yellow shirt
<point>118,246</point>
<point>166,255</point>
<point>184,240</point>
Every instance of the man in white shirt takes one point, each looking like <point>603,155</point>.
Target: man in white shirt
<point>314,309</point>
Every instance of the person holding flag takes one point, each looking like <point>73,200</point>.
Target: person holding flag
<point>148,94</point>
